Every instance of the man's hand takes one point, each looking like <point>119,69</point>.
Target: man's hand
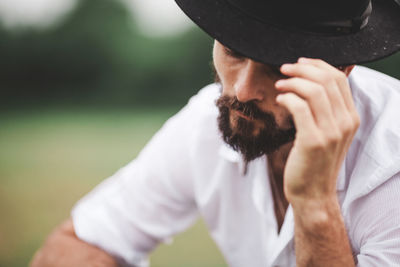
<point>319,98</point>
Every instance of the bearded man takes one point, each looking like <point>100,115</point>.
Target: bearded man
<point>292,157</point>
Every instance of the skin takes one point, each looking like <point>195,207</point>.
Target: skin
<point>63,249</point>
<point>304,170</point>
<point>318,97</point>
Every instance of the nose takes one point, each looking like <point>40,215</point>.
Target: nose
<point>249,85</point>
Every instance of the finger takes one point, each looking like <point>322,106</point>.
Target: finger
<point>348,121</point>
<point>325,79</point>
<point>316,97</point>
<point>318,63</point>
<point>301,113</point>
<point>340,77</point>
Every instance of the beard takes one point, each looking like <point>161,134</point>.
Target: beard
<point>254,137</point>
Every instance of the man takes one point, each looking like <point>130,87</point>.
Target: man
<point>307,172</point>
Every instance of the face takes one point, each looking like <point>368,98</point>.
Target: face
<point>250,120</point>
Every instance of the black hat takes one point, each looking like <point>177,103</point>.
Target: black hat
<point>341,32</point>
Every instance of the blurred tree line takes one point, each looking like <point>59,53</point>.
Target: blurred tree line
<point>96,56</point>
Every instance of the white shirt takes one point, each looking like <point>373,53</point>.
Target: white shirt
<point>186,170</point>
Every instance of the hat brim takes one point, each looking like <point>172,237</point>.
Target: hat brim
<point>275,46</point>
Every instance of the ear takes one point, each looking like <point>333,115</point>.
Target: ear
<point>347,70</point>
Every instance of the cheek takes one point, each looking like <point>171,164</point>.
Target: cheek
<point>226,74</point>
<point>227,80</point>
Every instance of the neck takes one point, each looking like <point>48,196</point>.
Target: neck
<point>277,160</point>
<point>276,163</point>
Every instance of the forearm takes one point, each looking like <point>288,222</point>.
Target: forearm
<point>63,248</point>
<point>320,234</point>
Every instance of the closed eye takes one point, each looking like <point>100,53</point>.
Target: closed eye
<point>233,53</point>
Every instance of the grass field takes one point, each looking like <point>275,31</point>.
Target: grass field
<point>51,158</point>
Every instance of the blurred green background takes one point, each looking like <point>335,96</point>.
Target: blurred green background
<point>79,99</point>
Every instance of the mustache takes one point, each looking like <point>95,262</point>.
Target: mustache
<point>249,109</point>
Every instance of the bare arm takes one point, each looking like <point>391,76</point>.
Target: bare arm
<point>319,98</point>
<point>63,248</point>
<point>320,235</point>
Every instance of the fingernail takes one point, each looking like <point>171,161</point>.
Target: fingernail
<point>285,67</point>
<point>303,60</point>
<point>279,83</point>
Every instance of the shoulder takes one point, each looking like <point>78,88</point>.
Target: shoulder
<point>372,170</point>
<point>372,78</point>
<point>200,107</point>
<point>375,151</point>
<point>373,90</point>
<point>196,121</point>
<point>188,138</point>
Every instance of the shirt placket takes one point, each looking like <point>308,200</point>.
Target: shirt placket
<point>275,245</point>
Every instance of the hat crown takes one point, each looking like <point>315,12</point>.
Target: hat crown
<point>296,13</point>
<point>275,32</point>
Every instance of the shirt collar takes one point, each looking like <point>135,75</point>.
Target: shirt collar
<point>227,153</point>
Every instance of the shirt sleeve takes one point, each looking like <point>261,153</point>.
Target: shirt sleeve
<point>376,226</point>
<point>146,202</point>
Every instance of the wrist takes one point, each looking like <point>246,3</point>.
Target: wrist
<point>320,192</point>
<point>316,213</point>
